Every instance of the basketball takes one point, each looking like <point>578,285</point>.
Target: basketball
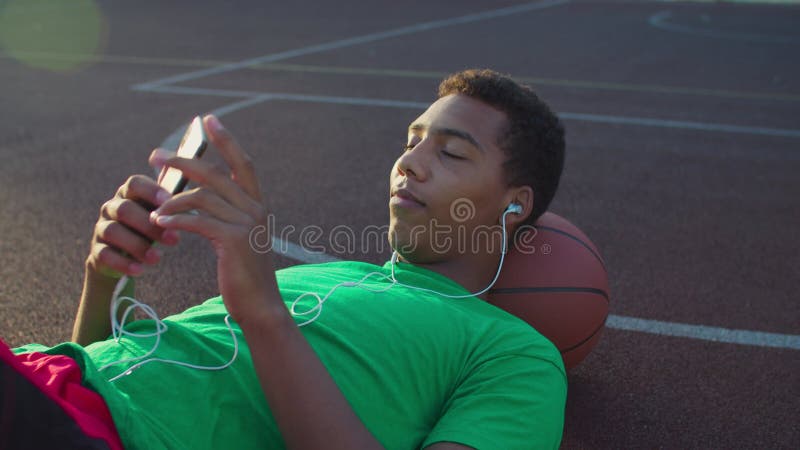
<point>556,280</point>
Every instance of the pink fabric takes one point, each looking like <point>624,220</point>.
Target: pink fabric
<point>59,377</point>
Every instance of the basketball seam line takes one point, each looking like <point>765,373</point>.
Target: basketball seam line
<point>585,340</point>
<point>523,290</point>
<point>556,230</point>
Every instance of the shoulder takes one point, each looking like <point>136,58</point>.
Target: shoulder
<point>498,334</point>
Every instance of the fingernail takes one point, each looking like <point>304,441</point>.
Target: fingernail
<point>163,220</point>
<point>158,157</point>
<point>135,268</point>
<point>170,237</point>
<point>153,254</point>
<point>162,196</point>
<point>214,124</point>
<point>174,236</point>
<point>154,216</point>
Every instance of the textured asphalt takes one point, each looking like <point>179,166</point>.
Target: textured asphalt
<point>697,226</point>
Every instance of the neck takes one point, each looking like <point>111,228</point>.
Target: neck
<point>473,272</point>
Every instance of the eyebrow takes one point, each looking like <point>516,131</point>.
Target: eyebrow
<point>447,132</point>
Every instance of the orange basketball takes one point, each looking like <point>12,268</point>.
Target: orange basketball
<point>556,280</point>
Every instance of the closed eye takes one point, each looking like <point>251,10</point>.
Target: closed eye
<point>451,155</point>
<point>407,147</point>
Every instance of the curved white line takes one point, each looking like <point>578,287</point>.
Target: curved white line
<point>296,252</point>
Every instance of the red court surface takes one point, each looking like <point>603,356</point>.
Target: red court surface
<point>683,131</point>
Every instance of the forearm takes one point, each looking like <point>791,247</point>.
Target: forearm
<point>92,320</point>
<point>310,410</point>
<point>308,406</point>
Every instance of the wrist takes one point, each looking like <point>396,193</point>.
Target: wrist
<point>273,319</point>
<point>92,321</point>
<point>100,275</point>
<point>98,286</point>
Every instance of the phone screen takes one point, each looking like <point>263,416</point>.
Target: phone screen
<point>193,144</point>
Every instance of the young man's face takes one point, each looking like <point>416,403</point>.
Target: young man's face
<point>453,167</point>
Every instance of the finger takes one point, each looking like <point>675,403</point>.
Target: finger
<point>242,167</point>
<point>122,239</point>
<point>209,227</point>
<point>205,201</point>
<point>207,175</point>
<point>105,258</point>
<point>157,158</point>
<point>144,190</point>
<point>135,217</point>
<point>170,237</point>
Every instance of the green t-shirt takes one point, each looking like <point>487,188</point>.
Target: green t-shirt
<point>417,368</point>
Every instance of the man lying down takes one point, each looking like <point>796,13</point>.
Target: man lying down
<point>406,355</point>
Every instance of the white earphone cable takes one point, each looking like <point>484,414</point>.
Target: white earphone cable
<point>118,331</point>
<point>494,280</point>
<point>393,280</point>
<point>118,326</point>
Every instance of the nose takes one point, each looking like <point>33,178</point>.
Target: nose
<point>414,163</point>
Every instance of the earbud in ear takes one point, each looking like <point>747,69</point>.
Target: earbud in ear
<point>514,208</point>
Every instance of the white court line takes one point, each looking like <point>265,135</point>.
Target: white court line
<point>297,253</point>
<point>699,332</point>
<point>401,73</point>
<point>163,85</point>
<point>286,248</point>
<point>626,323</point>
<point>229,93</point>
<point>173,140</point>
<point>349,42</point>
<point>659,20</point>
<point>596,118</point>
<point>706,333</point>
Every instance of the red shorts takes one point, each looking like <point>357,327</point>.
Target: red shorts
<point>42,395</point>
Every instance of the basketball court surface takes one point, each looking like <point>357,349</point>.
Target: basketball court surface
<point>683,153</point>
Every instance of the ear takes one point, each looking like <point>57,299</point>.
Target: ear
<point>523,196</point>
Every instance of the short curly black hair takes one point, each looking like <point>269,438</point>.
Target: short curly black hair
<point>533,138</point>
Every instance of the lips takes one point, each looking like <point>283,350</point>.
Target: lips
<point>407,195</point>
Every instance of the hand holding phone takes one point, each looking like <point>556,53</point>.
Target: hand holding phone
<point>120,242</point>
<point>193,144</point>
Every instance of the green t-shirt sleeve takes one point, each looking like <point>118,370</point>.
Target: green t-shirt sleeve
<point>510,402</point>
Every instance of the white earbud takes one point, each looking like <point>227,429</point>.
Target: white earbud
<point>316,310</point>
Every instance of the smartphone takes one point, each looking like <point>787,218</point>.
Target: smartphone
<point>193,144</point>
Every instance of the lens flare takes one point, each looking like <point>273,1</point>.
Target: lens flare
<point>56,35</point>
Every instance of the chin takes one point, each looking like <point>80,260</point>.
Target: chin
<point>418,254</point>
<point>413,247</point>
